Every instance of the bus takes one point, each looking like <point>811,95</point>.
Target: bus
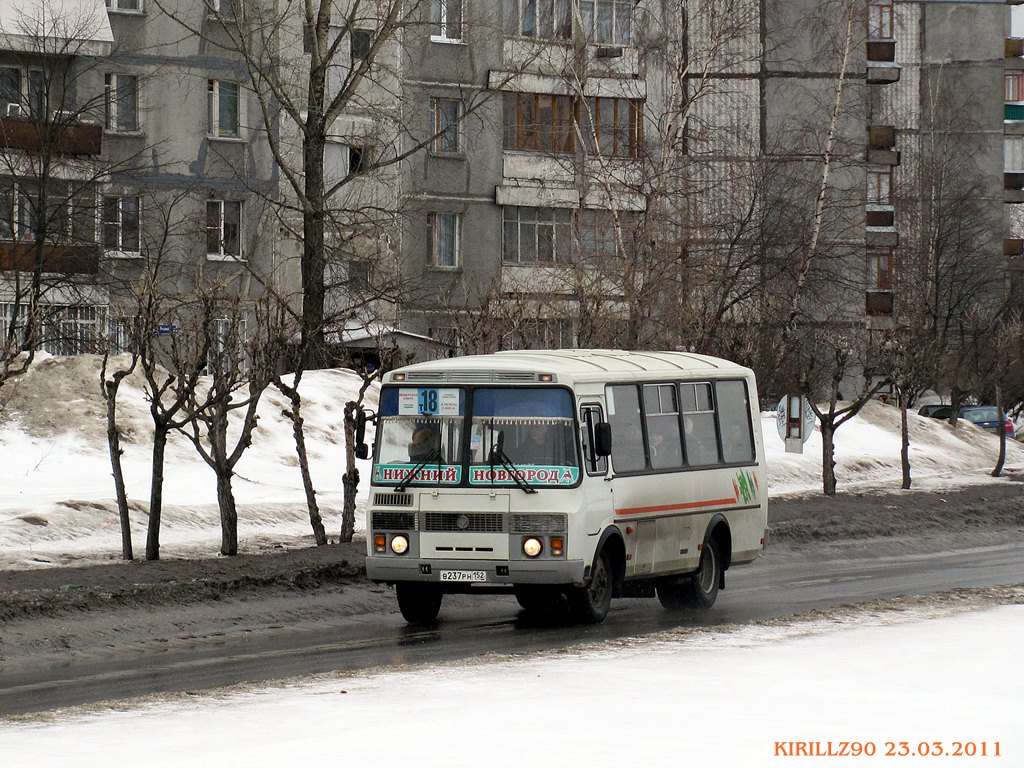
<point>566,477</point>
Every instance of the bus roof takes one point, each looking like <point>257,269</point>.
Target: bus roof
<point>567,365</point>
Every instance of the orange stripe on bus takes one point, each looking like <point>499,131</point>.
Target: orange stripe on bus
<point>669,507</point>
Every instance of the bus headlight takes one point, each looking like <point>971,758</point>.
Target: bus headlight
<point>399,544</point>
<point>532,547</point>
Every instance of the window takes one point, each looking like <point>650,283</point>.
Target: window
<point>121,220</point>
<point>880,20</point>
<point>70,214</point>
<point>699,434</point>
<point>223,228</point>
<point>73,330</point>
<point>536,235</point>
<point>879,186</point>
<point>664,444</point>
<point>223,7</point>
<point>15,99</point>
<point>125,5</point>
<point>8,230</point>
<point>358,159</point>
<point>447,126</point>
<point>543,334</point>
<point>1013,86</point>
<point>611,127</point>
<point>121,103</point>
<point>226,354</point>
<point>358,275</point>
<point>1014,154</point>
<point>445,240</point>
<point>607,22</point>
<point>361,40</point>
<point>543,19</point>
<point>602,231</point>
<point>734,422</point>
<point>539,122</point>
<point>446,20</point>
<point>880,270</point>
<point>223,111</point>
<point>628,454</point>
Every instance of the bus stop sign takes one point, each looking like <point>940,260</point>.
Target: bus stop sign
<point>795,419</point>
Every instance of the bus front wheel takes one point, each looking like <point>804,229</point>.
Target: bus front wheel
<point>591,603</point>
<point>699,590</point>
<point>418,602</point>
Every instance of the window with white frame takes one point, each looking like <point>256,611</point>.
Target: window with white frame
<point>121,224</point>
<point>121,103</point>
<point>223,228</point>
<point>536,235</point>
<point>1013,160</point>
<point>880,186</point>
<point>880,20</point>
<point>226,354</point>
<point>607,22</point>
<point>73,330</point>
<point>125,5</point>
<point>1013,86</point>
<point>543,19</point>
<point>70,214</point>
<point>446,20</point>
<point>444,240</point>
<point>223,108</point>
<point>223,7</point>
<point>447,126</point>
<point>22,92</point>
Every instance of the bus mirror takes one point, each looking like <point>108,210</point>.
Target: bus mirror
<point>602,439</point>
<point>361,428</point>
<point>362,451</point>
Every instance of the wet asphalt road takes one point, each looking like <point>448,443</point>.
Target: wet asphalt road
<point>469,627</point>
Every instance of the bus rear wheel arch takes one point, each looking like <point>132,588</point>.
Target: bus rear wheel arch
<point>699,590</point>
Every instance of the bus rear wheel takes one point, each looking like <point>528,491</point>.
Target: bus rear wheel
<point>699,590</point>
<point>418,602</point>
<point>590,604</point>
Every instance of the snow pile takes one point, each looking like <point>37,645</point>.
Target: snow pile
<point>56,491</point>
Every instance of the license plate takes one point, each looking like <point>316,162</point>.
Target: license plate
<point>463,576</point>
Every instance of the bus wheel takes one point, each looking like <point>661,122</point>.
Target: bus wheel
<point>418,602</point>
<point>591,603</point>
<point>699,590</point>
<point>537,599</point>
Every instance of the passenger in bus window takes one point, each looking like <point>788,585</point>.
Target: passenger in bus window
<point>425,441</point>
<point>538,445</point>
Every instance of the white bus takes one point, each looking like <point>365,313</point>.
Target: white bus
<point>567,477</point>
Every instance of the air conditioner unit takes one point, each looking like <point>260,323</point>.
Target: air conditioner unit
<point>12,109</point>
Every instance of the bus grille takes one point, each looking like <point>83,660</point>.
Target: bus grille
<point>393,521</point>
<point>536,524</point>
<point>459,523</point>
<point>392,499</point>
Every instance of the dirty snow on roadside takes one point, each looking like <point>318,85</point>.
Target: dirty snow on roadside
<point>56,491</point>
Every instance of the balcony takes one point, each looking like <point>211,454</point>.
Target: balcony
<point>1013,187</point>
<point>1013,248</point>
<point>879,217</point>
<point>65,138</point>
<point>878,302</point>
<point>57,259</point>
<point>1013,111</point>
<point>881,58</point>
<point>882,145</point>
<point>1013,51</point>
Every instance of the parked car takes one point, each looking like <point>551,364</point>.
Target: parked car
<point>986,417</point>
<point>930,410</point>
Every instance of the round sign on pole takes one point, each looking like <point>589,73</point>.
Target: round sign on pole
<point>794,418</point>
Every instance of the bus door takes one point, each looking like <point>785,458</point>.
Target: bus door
<point>597,502</point>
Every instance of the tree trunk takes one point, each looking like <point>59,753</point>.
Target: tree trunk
<point>1002,436</point>
<point>350,480</point>
<point>228,513</point>
<point>114,446</point>
<point>828,457</point>
<point>156,493</point>
<point>315,521</point>
<point>313,256</point>
<point>904,445</point>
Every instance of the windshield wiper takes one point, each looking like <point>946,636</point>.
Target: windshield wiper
<point>512,469</point>
<point>434,454</point>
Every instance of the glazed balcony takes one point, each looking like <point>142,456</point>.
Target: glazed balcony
<point>878,302</point>
<point>66,138</point>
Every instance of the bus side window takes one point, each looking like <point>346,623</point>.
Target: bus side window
<point>663,441</point>
<point>699,433</point>
<point>734,421</point>
<point>627,435</point>
<point>590,417</point>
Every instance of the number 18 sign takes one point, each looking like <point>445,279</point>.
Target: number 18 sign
<point>425,401</point>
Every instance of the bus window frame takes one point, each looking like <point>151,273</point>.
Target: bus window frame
<point>593,465</point>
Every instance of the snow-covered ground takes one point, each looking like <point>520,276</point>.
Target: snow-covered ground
<point>735,696</point>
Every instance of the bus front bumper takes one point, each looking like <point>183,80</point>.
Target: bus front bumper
<point>456,573</point>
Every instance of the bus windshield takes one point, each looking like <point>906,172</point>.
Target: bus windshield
<point>518,436</point>
<point>526,431</point>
